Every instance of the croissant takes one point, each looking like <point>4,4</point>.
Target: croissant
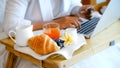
<point>42,44</point>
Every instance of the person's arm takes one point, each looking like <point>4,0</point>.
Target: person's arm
<point>15,13</point>
<point>68,22</point>
<point>83,11</point>
<point>64,22</point>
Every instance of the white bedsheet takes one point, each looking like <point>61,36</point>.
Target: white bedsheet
<point>109,58</point>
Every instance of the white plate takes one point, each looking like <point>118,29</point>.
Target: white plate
<point>65,51</point>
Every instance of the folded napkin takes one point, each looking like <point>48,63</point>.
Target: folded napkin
<point>65,52</point>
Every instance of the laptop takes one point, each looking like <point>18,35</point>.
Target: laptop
<point>110,15</point>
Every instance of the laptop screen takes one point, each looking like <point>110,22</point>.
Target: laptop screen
<point>111,14</point>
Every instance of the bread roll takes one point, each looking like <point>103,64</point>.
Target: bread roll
<point>42,44</point>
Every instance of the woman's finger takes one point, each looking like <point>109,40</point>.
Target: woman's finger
<point>76,23</point>
<point>70,26</point>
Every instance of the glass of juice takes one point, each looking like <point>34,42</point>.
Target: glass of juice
<point>52,30</point>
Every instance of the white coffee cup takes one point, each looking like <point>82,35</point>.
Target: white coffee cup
<point>22,34</point>
<point>73,33</point>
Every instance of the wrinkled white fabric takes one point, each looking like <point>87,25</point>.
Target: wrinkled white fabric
<point>21,63</point>
<point>2,9</point>
<point>3,52</point>
<point>3,56</point>
<point>109,58</point>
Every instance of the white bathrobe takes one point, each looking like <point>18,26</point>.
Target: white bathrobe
<point>3,52</point>
<point>23,12</point>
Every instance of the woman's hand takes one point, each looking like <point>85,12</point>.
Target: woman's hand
<point>64,22</point>
<point>68,22</point>
<point>85,11</point>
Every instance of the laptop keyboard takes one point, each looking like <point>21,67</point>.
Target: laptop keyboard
<point>88,26</point>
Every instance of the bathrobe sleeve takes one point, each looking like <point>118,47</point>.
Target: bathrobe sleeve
<point>75,6</point>
<point>14,14</point>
